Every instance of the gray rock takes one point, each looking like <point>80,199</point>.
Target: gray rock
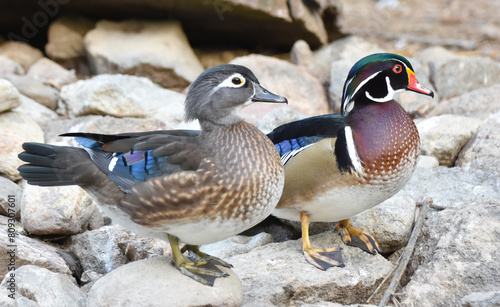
<point>349,49</point>
<point>65,37</point>
<point>46,288</point>
<point>56,210</point>
<point>28,251</point>
<point>236,245</point>
<point>21,53</point>
<point>278,274</point>
<point>482,299</point>
<point>277,117</point>
<point>456,255</point>
<point>480,103</point>
<point>99,124</point>
<point>301,54</point>
<point>482,150</point>
<point>308,18</point>
<point>390,222</point>
<point>142,248</point>
<point>38,112</point>
<point>6,301</point>
<point>433,57</point>
<point>458,76</point>
<point>99,250</point>
<point>161,284</point>
<point>157,50</point>
<point>427,162</point>
<point>444,136</point>
<point>50,72</point>
<point>16,128</point>
<point>35,89</point>
<point>9,96</point>
<point>8,66</point>
<point>123,96</point>
<point>448,186</point>
<point>210,58</point>
<point>457,251</point>
<point>303,91</point>
<point>10,198</point>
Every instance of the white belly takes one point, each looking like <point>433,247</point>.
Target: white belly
<point>339,204</point>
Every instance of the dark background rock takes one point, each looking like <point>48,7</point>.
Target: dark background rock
<point>240,23</point>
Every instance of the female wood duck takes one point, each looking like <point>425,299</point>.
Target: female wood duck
<point>338,165</point>
<point>189,186</point>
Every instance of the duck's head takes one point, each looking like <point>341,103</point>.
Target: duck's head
<point>376,78</point>
<point>218,94</point>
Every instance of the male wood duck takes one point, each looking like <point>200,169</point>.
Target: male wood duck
<point>338,165</point>
<point>185,186</point>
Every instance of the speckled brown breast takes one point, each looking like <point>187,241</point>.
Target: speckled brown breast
<point>387,143</point>
<point>241,178</point>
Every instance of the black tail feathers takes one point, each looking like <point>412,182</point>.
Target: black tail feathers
<point>50,165</point>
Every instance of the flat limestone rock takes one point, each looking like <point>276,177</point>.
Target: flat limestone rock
<point>278,274</point>
<point>156,282</point>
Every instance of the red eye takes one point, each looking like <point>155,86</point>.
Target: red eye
<point>397,68</point>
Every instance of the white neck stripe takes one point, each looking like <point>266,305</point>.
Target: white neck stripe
<point>357,89</point>
<point>353,153</point>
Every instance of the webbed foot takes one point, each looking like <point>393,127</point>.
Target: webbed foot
<point>357,237</point>
<point>320,258</point>
<point>199,266</point>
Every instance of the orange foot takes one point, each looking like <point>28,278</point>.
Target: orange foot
<point>357,237</point>
<point>320,258</point>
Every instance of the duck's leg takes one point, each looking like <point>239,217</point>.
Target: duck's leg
<point>196,255</point>
<point>357,237</point>
<point>322,258</point>
<point>200,270</point>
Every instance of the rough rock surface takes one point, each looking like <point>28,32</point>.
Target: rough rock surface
<point>50,72</point>
<point>482,150</point>
<point>15,129</point>
<point>462,75</point>
<point>35,89</point>
<point>155,282</point>
<point>21,53</point>
<point>46,288</point>
<point>38,112</point>
<point>481,299</point>
<point>96,256</point>
<point>283,277</point>
<point>8,66</point>
<point>56,210</point>
<point>10,198</point>
<point>157,50</point>
<point>456,252</point>
<point>236,245</point>
<point>444,136</point>
<point>29,251</point>
<point>65,37</point>
<point>479,103</point>
<point>303,91</point>
<point>123,96</point>
<point>9,96</point>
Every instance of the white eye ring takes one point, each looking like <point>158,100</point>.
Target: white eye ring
<point>229,81</point>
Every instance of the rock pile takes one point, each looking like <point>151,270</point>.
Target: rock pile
<point>83,259</point>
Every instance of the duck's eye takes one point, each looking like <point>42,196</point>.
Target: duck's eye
<point>236,81</point>
<point>397,68</point>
